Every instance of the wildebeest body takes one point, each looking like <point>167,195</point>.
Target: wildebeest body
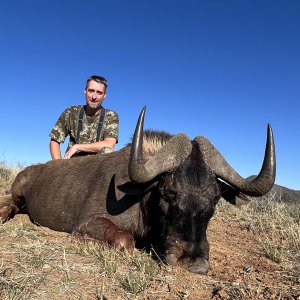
<point>75,196</point>
<point>161,188</point>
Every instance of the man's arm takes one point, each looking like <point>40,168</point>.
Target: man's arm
<point>55,149</point>
<point>92,147</point>
<point>60,131</point>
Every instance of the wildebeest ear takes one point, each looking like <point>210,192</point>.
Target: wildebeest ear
<point>135,189</point>
<point>232,195</point>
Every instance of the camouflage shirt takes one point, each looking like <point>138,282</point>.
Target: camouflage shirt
<point>67,124</point>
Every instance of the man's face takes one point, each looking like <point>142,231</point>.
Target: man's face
<point>94,94</point>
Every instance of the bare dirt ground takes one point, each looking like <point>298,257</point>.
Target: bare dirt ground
<point>239,269</point>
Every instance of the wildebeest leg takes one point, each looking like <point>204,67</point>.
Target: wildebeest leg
<point>101,228</point>
<point>7,212</point>
<point>8,208</point>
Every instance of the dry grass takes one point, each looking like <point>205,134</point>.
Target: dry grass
<point>33,262</point>
<point>276,224</point>
<point>8,174</point>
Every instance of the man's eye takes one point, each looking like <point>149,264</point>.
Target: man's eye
<point>91,91</point>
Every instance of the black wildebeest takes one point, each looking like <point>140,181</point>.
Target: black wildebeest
<point>162,188</point>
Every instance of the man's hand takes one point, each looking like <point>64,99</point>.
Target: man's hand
<point>73,150</point>
<point>107,145</point>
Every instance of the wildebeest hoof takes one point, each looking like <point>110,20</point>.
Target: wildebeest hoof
<point>200,266</point>
<point>124,241</point>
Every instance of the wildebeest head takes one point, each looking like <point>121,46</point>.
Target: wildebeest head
<point>188,173</point>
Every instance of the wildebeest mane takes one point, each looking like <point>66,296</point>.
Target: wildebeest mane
<point>154,140</point>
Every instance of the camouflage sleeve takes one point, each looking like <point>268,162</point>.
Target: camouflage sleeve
<point>61,129</point>
<point>111,125</point>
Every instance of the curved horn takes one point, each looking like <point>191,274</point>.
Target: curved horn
<point>175,151</point>
<point>258,186</point>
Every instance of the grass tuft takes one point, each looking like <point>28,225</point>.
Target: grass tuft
<point>277,223</point>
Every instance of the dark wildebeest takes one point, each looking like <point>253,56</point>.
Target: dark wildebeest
<point>162,188</point>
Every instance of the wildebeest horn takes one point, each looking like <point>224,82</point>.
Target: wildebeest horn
<point>140,170</point>
<point>258,186</point>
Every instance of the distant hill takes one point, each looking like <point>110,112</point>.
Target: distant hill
<point>282,194</point>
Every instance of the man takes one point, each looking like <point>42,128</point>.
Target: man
<point>92,129</point>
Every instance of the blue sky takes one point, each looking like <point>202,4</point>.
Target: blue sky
<point>222,69</point>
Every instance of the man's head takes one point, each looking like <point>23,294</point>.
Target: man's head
<point>95,93</point>
<point>98,79</point>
